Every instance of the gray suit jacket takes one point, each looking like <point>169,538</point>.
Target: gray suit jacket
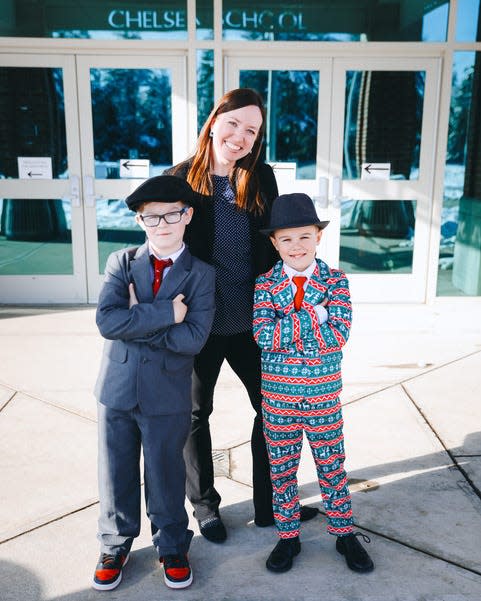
<point>148,358</point>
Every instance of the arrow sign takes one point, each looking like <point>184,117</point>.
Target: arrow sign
<point>34,167</point>
<point>131,164</point>
<point>376,171</point>
<point>138,168</point>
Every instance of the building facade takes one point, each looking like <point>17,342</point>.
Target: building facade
<point>374,109</point>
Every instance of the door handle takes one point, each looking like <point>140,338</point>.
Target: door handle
<point>75,191</point>
<point>336,192</point>
<point>321,199</point>
<point>89,191</point>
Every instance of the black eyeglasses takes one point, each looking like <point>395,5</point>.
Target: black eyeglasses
<point>154,220</point>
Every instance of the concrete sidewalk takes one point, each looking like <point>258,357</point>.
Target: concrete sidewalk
<point>413,435</point>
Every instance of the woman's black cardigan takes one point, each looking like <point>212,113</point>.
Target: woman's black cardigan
<point>199,234</point>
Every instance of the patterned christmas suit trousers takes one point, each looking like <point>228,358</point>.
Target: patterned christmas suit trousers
<point>289,413</point>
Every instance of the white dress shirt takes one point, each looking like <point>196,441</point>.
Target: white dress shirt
<point>172,257</point>
<point>322,314</point>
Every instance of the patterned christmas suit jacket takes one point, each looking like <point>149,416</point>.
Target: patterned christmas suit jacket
<point>301,358</point>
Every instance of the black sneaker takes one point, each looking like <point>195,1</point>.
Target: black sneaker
<point>213,529</point>
<point>177,572</point>
<point>108,572</point>
<point>356,556</point>
<point>280,559</point>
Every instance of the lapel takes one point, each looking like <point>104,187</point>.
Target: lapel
<point>281,288</point>
<point>140,272</point>
<point>316,287</point>
<point>141,275</point>
<point>177,274</point>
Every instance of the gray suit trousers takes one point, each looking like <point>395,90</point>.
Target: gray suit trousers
<point>162,438</point>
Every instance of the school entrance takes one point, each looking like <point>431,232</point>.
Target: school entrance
<point>81,130</point>
<point>79,133</point>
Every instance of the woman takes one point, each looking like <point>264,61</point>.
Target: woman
<point>235,190</point>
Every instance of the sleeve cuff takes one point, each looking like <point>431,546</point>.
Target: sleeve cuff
<point>322,314</point>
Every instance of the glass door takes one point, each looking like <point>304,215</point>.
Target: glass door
<point>42,244</point>
<point>297,95</point>
<point>77,135</point>
<point>382,153</point>
<point>133,125</point>
<point>357,135</point>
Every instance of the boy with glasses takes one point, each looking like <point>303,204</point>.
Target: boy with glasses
<point>155,311</point>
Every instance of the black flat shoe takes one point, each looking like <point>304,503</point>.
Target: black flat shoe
<point>280,559</point>
<point>307,513</point>
<point>213,529</point>
<point>356,556</point>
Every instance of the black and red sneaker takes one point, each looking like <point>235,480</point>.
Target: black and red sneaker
<point>108,572</point>
<point>177,572</point>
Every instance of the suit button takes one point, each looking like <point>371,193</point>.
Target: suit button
<point>144,360</point>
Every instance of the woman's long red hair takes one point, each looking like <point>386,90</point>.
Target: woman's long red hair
<point>247,191</point>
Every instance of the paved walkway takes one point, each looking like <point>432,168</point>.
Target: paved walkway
<point>413,432</point>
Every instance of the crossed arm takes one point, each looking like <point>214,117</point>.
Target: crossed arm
<point>280,332</point>
<point>171,323</point>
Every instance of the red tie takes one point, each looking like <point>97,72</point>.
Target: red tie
<point>299,295</point>
<point>159,266</point>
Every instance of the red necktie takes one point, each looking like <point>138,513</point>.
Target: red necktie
<point>299,295</point>
<point>159,266</point>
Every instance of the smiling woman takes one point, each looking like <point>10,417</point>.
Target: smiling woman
<point>235,190</point>
<point>234,134</point>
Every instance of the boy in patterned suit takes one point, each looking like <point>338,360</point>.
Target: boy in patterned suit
<point>302,318</point>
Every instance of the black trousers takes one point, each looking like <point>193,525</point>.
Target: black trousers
<point>243,355</point>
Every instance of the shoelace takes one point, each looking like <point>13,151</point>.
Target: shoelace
<point>107,559</point>
<point>365,537</point>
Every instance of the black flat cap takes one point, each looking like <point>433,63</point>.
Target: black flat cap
<point>293,210</point>
<point>161,188</point>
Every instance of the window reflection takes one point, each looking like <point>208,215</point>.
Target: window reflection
<point>116,228</point>
<point>459,270</point>
<point>205,85</point>
<point>342,21</point>
<point>383,121</point>
<point>318,20</point>
<point>291,99</point>
<point>35,237</point>
<point>205,19</point>
<point>132,118</point>
<point>94,19</point>
<point>32,118</point>
<point>377,236</point>
<point>468,25</point>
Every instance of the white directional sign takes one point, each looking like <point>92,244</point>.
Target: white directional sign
<point>34,167</point>
<point>285,176</point>
<point>376,171</point>
<point>139,168</point>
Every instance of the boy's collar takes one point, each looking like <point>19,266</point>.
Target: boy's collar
<point>172,256</point>
<point>291,272</point>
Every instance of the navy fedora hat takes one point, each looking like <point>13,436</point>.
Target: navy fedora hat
<point>161,188</point>
<point>293,210</point>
